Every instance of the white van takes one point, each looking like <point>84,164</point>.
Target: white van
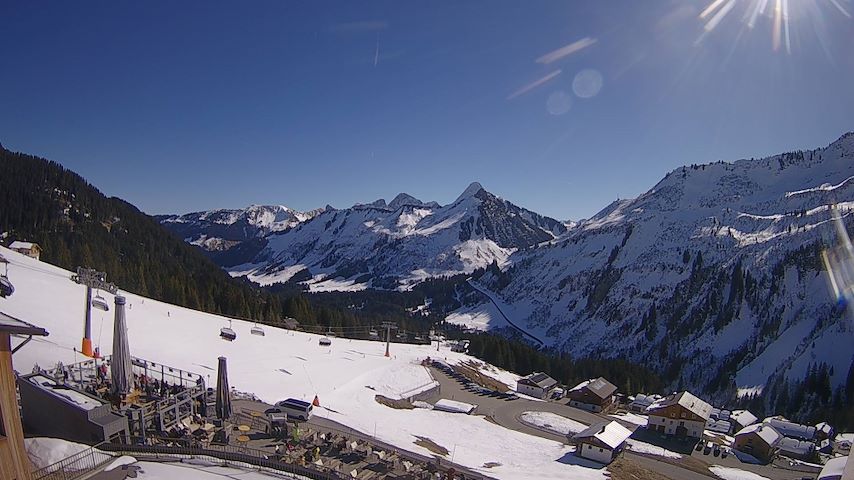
<point>295,409</point>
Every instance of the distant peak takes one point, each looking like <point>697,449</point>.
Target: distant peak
<point>404,199</point>
<point>470,191</point>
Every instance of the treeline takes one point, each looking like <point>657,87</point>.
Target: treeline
<point>522,358</point>
<point>809,400</point>
<point>77,225</point>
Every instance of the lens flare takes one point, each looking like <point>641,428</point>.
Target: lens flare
<point>839,263</point>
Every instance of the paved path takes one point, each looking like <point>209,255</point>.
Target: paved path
<point>507,412</point>
<point>506,318</point>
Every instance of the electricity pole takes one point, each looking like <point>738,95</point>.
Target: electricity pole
<point>92,279</point>
<point>388,326</point>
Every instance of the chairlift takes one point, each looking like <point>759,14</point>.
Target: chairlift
<point>226,333</point>
<point>6,287</point>
<point>325,342</point>
<point>374,333</point>
<point>330,333</point>
<point>257,330</point>
<point>100,302</point>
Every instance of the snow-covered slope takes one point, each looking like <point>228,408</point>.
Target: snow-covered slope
<point>345,376</point>
<point>221,229</point>
<point>392,245</point>
<point>715,274</point>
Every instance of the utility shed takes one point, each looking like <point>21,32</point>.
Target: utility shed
<point>51,409</point>
<point>601,442</point>
<point>14,463</point>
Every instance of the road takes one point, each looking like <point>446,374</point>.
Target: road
<point>506,318</point>
<point>507,412</point>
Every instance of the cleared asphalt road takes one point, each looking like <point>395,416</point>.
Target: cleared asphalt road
<point>507,412</point>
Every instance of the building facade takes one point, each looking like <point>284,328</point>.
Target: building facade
<point>595,395</point>
<point>679,415</point>
<point>14,463</point>
<point>32,250</point>
<point>757,440</point>
<point>601,442</point>
<point>536,385</point>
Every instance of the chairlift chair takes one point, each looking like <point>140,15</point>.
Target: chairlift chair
<point>100,302</point>
<point>6,287</point>
<point>226,333</point>
<point>330,333</point>
<point>374,333</point>
<point>257,330</point>
<point>325,342</point>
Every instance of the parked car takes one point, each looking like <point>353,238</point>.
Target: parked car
<point>699,446</point>
<point>708,448</point>
<point>716,450</point>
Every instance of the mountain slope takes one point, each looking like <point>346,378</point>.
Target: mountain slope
<point>393,245</point>
<point>713,276</point>
<point>78,226</point>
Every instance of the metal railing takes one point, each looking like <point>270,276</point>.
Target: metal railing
<point>240,456</point>
<point>75,466</point>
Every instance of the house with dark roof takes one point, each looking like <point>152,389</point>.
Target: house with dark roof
<point>594,395</point>
<point>679,415</point>
<point>14,462</point>
<point>536,385</point>
<point>757,440</point>
<point>601,442</point>
<point>29,249</point>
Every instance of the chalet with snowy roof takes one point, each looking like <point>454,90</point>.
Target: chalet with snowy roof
<point>593,395</point>
<point>834,469</point>
<point>791,429</point>
<point>741,419</point>
<point>536,385</point>
<point>843,441</point>
<point>794,448</point>
<point>641,402</point>
<point>823,431</point>
<point>14,462</point>
<point>757,440</point>
<point>32,250</point>
<point>601,442</point>
<point>680,415</point>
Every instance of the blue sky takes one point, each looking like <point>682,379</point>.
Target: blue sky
<point>183,106</point>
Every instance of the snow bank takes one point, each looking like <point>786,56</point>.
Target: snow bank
<point>650,449</point>
<point>552,422</point>
<point>729,473</point>
<point>44,451</point>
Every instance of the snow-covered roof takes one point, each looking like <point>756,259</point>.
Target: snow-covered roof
<point>10,324</point>
<point>688,401</point>
<point>743,417</point>
<point>539,379</point>
<point>18,244</point>
<point>824,427</point>
<point>644,400</point>
<point>720,426</point>
<point>791,429</point>
<point>833,469</point>
<point>454,406</point>
<point>598,386</point>
<point>767,433</point>
<point>610,433</point>
<point>794,446</point>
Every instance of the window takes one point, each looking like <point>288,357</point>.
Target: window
<point>600,450</point>
<point>589,447</point>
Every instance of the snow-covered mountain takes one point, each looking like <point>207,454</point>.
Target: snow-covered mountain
<point>715,274</point>
<point>379,244</point>
<point>234,235</point>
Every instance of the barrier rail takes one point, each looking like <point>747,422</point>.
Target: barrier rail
<point>75,466</point>
<point>232,455</point>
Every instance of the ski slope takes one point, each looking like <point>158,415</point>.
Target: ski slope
<point>345,376</point>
